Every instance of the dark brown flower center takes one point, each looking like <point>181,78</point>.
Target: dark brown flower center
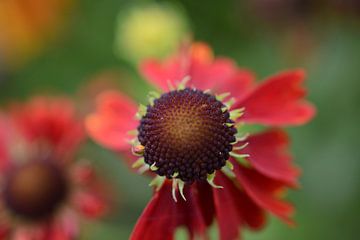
<point>35,191</point>
<point>187,134</point>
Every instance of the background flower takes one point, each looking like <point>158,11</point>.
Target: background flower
<point>44,192</point>
<point>152,30</point>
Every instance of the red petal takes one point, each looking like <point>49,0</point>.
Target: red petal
<point>25,234</point>
<point>250,213</point>
<point>207,207</point>
<point>226,209</point>
<point>278,101</point>
<point>93,198</point>
<point>163,75</point>
<point>211,75</point>
<point>220,75</point>
<point>264,192</point>
<point>235,209</point>
<point>253,216</point>
<point>163,215</point>
<point>201,52</point>
<point>90,204</point>
<point>4,142</point>
<point>239,84</point>
<point>113,119</point>
<point>269,155</point>
<point>50,120</point>
<point>4,232</point>
<point>190,215</point>
<point>47,231</point>
<point>57,232</point>
<point>158,220</point>
<point>83,173</point>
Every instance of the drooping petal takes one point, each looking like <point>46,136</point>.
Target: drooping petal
<point>158,220</point>
<point>253,216</point>
<point>269,155</point>
<point>163,216</point>
<point>190,214</point>
<point>226,210</point>
<point>278,101</point>
<point>112,121</point>
<point>234,209</point>
<point>207,207</point>
<point>265,192</point>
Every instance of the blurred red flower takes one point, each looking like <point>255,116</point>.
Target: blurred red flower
<point>191,134</point>
<point>44,192</point>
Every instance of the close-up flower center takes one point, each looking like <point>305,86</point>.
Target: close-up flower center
<point>186,134</point>
<point>35,190</point>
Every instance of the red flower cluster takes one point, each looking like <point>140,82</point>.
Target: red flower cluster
<point>44,192</point>
<point>192,140</point>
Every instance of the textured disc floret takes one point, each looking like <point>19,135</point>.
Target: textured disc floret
<point>186,134</point>
<point>34,191</point>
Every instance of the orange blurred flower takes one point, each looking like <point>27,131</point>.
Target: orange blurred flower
<point>26,24</point>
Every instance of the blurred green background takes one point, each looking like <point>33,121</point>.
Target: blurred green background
<point>266,36</point>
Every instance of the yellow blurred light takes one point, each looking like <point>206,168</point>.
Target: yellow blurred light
<point>151,31</point>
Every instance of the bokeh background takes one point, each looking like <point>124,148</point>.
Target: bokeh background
<point>60,47</point>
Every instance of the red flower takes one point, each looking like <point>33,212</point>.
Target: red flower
<point>192,140</point>
<point>44,192</point>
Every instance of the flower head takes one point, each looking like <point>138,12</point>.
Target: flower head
<point>187,133</point>
<point>43,191</point>
<point>193,140</point>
